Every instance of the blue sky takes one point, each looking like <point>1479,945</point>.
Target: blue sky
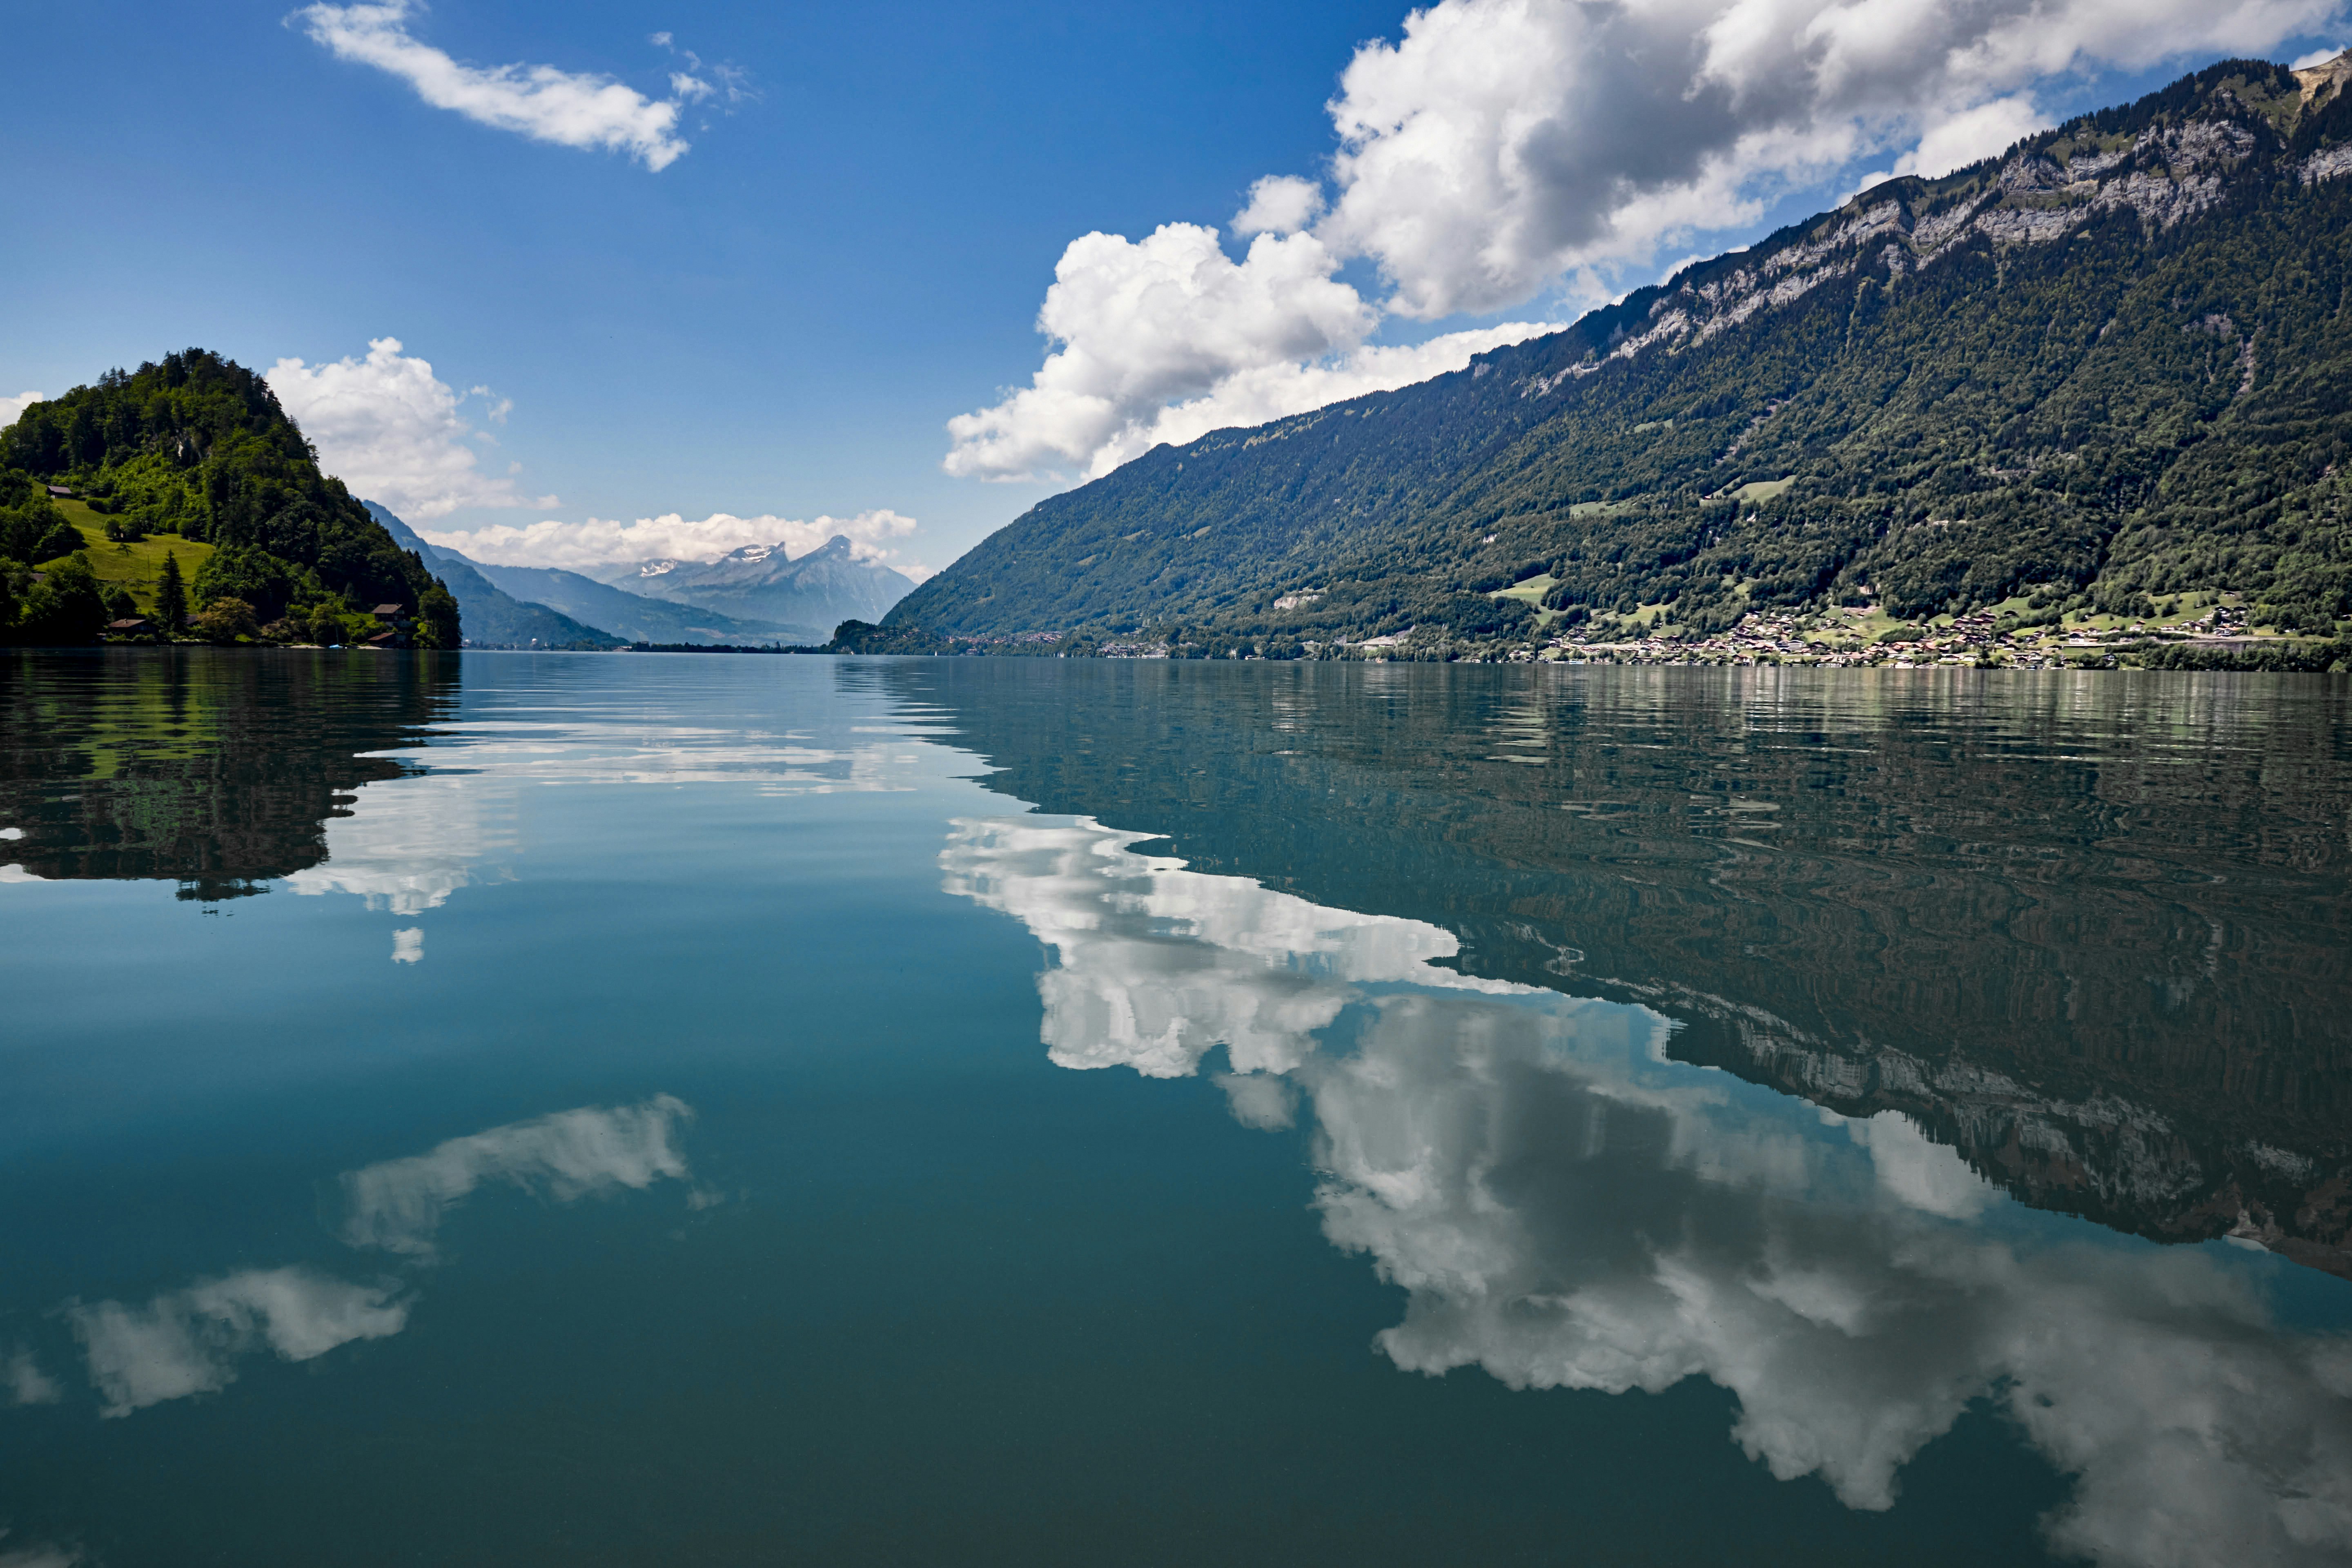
<point>778,323</point>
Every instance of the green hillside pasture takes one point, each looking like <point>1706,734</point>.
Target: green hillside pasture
<point>135,567</point>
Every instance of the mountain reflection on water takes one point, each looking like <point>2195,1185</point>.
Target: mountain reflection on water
<point>1569,1207</point>
<point>2094,933</point>
<point>230,770</point>
<point>220,771</point>
<point>1851,1054</point>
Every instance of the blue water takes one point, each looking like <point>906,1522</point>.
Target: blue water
<point>683,1110</point>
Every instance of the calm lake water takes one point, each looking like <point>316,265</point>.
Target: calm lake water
<point>617,1109</point>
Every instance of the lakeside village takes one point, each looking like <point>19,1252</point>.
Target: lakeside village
<point>2201,632</point>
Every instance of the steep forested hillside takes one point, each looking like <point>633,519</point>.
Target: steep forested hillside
<point>198,446</point>
<point>2113,364</point>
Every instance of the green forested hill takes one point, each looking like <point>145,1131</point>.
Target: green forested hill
<point>197,446</point>
<point>2114,364</point>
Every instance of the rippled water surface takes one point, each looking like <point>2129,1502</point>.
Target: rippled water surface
<point>733,1110</point>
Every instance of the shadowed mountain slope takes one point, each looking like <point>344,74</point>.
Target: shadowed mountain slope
<point>632,616</point>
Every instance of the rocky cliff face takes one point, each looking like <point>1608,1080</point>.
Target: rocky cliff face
<point>2045,191</point>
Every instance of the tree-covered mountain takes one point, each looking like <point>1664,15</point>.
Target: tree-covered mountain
<point>197,445</point>
<point>808,594</point>
<point>494,618</point>
<point>2113,364</point>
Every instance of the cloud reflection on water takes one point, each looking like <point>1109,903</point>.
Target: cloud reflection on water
<point>397,1206</point>
<point>1567,1207</point>
<point>405,845</point>
<point>187,1341</point>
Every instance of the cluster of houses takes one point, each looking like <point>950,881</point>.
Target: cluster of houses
<point>399,632</point>
<point>1972,640</point>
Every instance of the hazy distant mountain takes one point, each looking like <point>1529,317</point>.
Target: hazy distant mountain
<point>634,616</point>
<point>492,618</point>
<point>811,594</point>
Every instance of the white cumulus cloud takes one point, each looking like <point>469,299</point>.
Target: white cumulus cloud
<point>11,407</point>
<point>389,429</point>
<point>583,546</point>
<point>570,109</point>
<point>1503,144</point>
<point>1984,131</point>
<point>1273,391</point>
<point>1279,204</point>
<point>1503,150</point>
<point>1170,335</point>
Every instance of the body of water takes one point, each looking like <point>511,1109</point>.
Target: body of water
<point>610,1110</point>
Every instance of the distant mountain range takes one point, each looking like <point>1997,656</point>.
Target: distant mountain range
<point>721,603</point>
<point>634,616</point>
<point>811,594</point>
<point>2109,371</point>
<point>492,618</point>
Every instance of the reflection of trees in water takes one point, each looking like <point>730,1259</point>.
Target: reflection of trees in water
<point>2093,930</point>
<point>217,770</point>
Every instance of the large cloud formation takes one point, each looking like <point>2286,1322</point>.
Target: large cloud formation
<point>389,428</point>
<point>568,108</point>
<point>1501,150</point>
<point>583,546</point>
<point>1566,1207</point>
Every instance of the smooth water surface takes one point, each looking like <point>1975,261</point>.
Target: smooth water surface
<point>730,1109</point>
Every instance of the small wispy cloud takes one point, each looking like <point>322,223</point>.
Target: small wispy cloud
<point>570,109</point>
<point>719,80</point>
<point>11,408</point>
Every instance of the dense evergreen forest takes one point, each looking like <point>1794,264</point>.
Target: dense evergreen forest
<point>2109,372</point>
<point>194,449</point>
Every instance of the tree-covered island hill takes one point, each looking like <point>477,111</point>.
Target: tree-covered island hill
<point>2088,402</point>
<point>177,503</point>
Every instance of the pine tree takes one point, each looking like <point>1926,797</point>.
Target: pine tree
<point>170,596</point>
<point>437,619</point>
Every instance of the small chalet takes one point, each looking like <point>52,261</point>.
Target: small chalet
<point>397,617</point>
<point>60,491</point>
<point>126,628</point>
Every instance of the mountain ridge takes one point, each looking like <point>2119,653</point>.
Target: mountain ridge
<point>494,618</point>
<point>2107,365</point>
<point>808,594</point>
<point>638,618</point>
